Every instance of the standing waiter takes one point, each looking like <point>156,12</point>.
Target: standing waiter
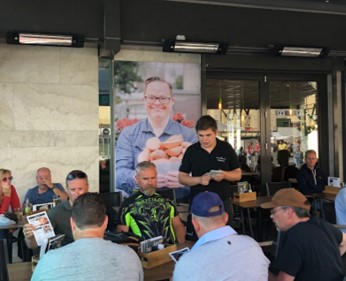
<point>208,154</point>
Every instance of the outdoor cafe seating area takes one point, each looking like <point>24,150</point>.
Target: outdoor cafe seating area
<point>248,218</point>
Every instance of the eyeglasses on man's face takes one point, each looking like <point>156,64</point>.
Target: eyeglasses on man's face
<point>7,178</point>
<point>275,210</point>
<point>162,100</point>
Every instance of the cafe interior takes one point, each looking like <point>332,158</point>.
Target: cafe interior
<point>272,73</point>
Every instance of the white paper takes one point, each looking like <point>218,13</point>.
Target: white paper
<point>334,181</point>
<point>43,207</point>
<point>43,227</point>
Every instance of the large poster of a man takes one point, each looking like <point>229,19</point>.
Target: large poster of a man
<point>155,113</point>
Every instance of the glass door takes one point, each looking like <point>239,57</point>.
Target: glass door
<point>293,126</point>
<point>235,104</point>
<point>270,120</point>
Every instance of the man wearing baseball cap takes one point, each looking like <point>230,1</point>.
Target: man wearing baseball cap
<point>310,248</point>
<point>220,253</point>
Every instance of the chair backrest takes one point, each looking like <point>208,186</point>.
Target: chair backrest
<point>328,211</point>
<point>113,201</point>
<point>3,260</point>
<point>273,187</point>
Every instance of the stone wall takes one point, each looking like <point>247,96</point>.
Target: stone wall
<point>48,112</point>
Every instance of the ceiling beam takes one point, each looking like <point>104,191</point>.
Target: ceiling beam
<point>312,6</point>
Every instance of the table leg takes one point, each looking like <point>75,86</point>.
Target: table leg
<point>242,219</point>
<point>250,224</point>
<point>259,225</point>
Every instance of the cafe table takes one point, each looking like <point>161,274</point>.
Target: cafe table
<point>22,271</point>
<point>248,205</point>
<point>19,224</point>
<point>12,228</point>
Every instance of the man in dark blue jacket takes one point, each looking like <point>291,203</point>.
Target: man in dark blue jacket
<point>310,178</point>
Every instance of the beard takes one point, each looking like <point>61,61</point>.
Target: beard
<point>148,190</point>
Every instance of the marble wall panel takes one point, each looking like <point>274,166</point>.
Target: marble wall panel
<point>47,120</point>
<point>6,107</point>
<point>55,107</point>
<point>79,67</point>
<point>50,138</point>
<point>61,160</point>
<point>6,158</point>
<point>35,64</point>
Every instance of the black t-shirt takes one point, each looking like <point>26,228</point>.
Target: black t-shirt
<point>198,161</point>
<point>310,251</point>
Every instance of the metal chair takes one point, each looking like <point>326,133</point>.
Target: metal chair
<point>3,260</point>
<point>113,201</point>
<point>273,187</point>
<point>328,211</point>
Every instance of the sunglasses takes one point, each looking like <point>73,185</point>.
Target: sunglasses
<point>76,174</point>
<point>7,178</point>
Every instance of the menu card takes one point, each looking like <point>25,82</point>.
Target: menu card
<point>149,245</point>
<point>43,227</point>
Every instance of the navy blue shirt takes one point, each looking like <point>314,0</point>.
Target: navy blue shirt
<point>46,197</point>
<point>311,181</point>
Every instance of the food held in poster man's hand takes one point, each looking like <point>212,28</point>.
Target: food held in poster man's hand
<point>166,155</point>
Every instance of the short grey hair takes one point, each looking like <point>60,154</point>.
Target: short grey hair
<point>310,151</point>
<point>301,212</point>
<point>144,165</point>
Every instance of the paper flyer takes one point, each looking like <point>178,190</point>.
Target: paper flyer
<point>43,227</point>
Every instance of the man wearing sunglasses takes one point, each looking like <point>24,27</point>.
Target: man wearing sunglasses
<point>310,248</point>
<point>76,185</point>
<point>158,101</point>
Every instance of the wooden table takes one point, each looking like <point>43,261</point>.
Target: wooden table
<point>161,272</point>
<point>252,205</point>
<point>12,228</point>
<point>19,224</point>
<point>22,271</point>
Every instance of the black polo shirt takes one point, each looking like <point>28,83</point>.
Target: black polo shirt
<point>198,161</point>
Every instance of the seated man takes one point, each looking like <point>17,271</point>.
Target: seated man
<point>77,184</point>
<point>45,191</point>
<point>90,257</point>
<point>148,214</point>
<point>220,253</point>
<point>311,248</point>
<point>310,178</point>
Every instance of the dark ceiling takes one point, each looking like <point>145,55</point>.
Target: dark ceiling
<point>251,27</point>
<point>245,94</point>
<point>247,25</point>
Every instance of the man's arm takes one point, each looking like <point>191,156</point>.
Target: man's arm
<point>188,180</point>
<point>340,208</point>
<point>179,229</point>
<point>30,240</point>
<point>125,163</point>
<point>302,184</point>
<point>122,228</point>
<point>282,276</point>
<point>59,192</point>
<point>342,246</point>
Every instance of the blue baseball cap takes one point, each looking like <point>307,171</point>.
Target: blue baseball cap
<point>202,203</point>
